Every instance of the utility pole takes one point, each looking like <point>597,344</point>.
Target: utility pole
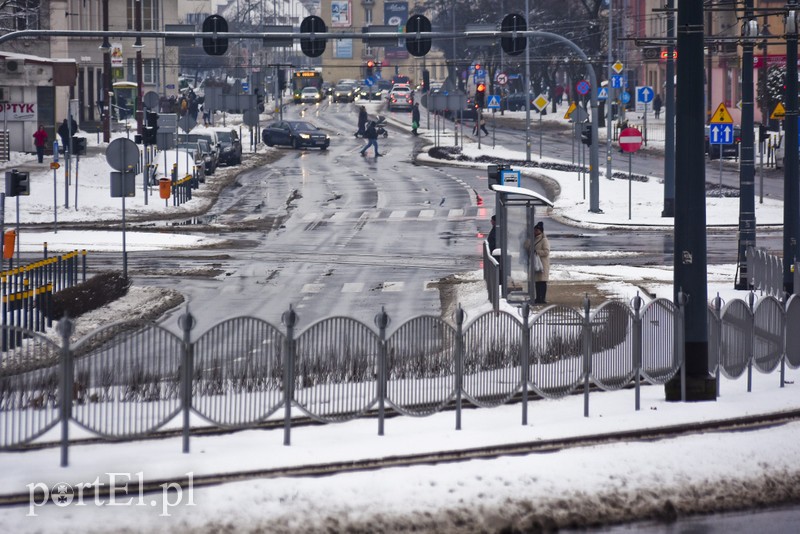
<point>527,88</point>
<point>137,6</point>
<point>747,171</point>
<point>791,189</point>
<point>610,99</point>
<point>106,48</point>
<point>669,117</point>
<point>690,252</point>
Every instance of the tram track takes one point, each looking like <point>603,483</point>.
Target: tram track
<point>739,424</point>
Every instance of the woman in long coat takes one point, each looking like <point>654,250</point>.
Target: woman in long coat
<point>541,247</point>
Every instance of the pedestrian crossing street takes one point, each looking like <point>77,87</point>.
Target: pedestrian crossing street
<point>399,215</point>
<point>360,287</point>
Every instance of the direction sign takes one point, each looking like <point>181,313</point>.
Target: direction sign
<point>721,116</point>
<point>617,81</point>
<point>617,67</point>
<point>644,94</point>
<point>583,87</point>
<point>501,78</point>
<point>493,102</point>
<point>602,94</point>
<point>245,87</point>
<point>630,140</point>
<point>572,107</point>
<point>625,97</point>
<point>720,134</point>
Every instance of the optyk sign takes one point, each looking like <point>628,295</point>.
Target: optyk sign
<point>17,112</point>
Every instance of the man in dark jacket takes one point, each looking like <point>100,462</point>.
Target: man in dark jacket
<point>371,134</point>
<point>64,134</point>
<point>362,120</point>
<point>415,118</point>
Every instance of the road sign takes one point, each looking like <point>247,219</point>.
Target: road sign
<point>540,102</point>
<point>245,87</point>
<point>602,94</point>
<point>630,140</point>
<point>572,107</point>
<point>510,178</point>
<point>480,74</point>
<point>617,67</point>
<point>250,117</point>
<point>644,94</point>
<point>720,133</point>
<point>493,102</point>
<point>625,97</point>
<point>151,99</point>
<point>501,78</point>
<point>617,81</point>
<point>583,87</point>
<point>122,154</point>
<point>779,113</point>
<point>721,116</point>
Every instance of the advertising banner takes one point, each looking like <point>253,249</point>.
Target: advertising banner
<point>343,49</point>
<point>116,55</point>
<point>395,14</point>
<point>341,14</point>
<point>15,111</point>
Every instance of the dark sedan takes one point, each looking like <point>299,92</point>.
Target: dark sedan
<point>296,134</point>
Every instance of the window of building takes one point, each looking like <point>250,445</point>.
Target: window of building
<point>150,15</point>
<point>367,16</point>
<point>149,71</point>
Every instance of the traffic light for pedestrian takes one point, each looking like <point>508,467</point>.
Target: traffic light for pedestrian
<point>426,80</point>
<point>215,46</point>
<point>78,145</point>
<point>370,66</point>
<point>511,45</point>
<point>312,46</point>
<point>586,134</point>
<point>150,134</point>
<point>480,96</point>
<point>17,183</point>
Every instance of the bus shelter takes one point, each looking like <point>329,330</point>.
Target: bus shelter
<point>516,217</point>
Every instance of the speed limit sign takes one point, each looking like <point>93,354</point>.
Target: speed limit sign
<point>501,78</point>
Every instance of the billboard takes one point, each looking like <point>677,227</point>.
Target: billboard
<point>395,14</point>
<point>116,55</point>
<point>343,49</point>
<point>341,14</point>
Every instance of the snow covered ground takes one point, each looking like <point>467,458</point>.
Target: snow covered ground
<point>585,486</point>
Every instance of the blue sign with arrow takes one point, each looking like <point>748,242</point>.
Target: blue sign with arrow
<point>644,94</point>
<point>617,81</point>
<point>720,134</point>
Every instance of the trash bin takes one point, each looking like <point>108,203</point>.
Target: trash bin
<point>9,240</point>
<point>164,188</point>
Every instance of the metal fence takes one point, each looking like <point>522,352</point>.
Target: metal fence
<point>129,379</point>
<point>765,271</point>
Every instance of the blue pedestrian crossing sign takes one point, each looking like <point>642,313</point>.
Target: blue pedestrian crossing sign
<point>602,94</point>
<point>720,134</point>
<point>625,97</point>
<point>644,94</point>
<point>493,102</point>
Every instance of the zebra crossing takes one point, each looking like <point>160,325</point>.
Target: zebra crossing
<point>397,215</point>
<point>360,287</point>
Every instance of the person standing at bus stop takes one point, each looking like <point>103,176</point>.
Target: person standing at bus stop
<point>541,248</point>
<point>40,141</point>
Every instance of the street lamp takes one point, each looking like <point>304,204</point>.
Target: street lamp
<point>139,87</point>
<point>106,49</point>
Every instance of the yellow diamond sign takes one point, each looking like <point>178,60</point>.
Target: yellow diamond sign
<point>617,67</point>
<point>540,102</point>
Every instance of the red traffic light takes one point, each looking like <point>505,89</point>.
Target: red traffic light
<point>481,88</point>
<point>370,64</point>
<point>477,66</point>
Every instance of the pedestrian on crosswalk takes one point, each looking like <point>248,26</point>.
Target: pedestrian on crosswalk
<point>371,135</point>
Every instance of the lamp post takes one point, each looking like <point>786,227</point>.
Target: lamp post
<point>747,202</point>
<point>791,190</point>
<point>106,49</point>
<point>669,118</point>
<point>139,88</point>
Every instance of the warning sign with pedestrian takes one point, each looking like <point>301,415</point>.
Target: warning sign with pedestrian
<point>493,102</point>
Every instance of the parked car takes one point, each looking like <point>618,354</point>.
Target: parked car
<point>729,150</point>
<point>516,102</point>
<point>230,146</point>
<point>344,92</point>
<point>310,95</point>
<point>191,151</point>
<point>296,134</point>
<point>203,133</point>
<point>400,98</point>
<point>210,159</point>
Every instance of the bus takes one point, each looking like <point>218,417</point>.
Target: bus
<point>305,78</point>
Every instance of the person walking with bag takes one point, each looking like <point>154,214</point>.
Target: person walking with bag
<point>40,141</point>
<point>415,118</point>
<point>371,134</point>
<point>541,249</point>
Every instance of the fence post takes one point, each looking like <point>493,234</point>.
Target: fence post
<point>637,347</point>
<point>83,255</point>
<point>526,358</point>
<point>187,323</point>
<point>382,321</point>
<point>289,319</point>
<point>459,317</point>
<point>65,328</point>
<point>587,352</point>
<point>751,299</point>
<point>680,330</point>
<point>717,307</point>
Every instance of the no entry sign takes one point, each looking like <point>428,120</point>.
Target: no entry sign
<point>630,140</point>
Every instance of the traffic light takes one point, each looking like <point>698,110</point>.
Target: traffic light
<point>370,66</point>
<point>17,183</point>
<point>426,80</point>
<point>78,145</point>
<point>415,24</point>
<point>151,129</point>
<point>586,134</point>
<point>480,96</point>
<point>215,46</point>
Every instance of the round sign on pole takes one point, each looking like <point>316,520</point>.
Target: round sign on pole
<point>501,78</point>
<point>583,87</point>
<point>122,154</point>
<point>151,99</point>
<point>630,140</point>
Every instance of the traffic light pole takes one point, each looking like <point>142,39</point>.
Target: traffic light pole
<point>791,189</point>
